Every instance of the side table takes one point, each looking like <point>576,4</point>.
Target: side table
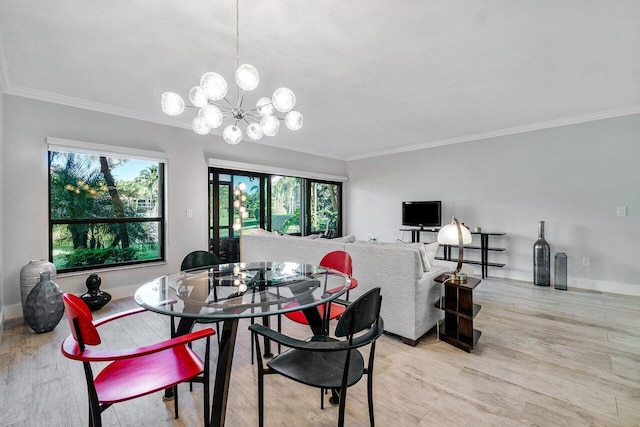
<point>459,311</point>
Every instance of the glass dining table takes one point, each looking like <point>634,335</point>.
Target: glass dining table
<point>229,292</point>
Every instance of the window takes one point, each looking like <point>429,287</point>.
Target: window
<point>104,210</point>
<point>324,206</point>
<point>285,204</point>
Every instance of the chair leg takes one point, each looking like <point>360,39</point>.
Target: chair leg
<point>175,400</point>
<point>321,398</point>
<point>252,343</point>
<point>205,383</point>
<point>343,399</point>
<point>256,342</point>
<point>370,398</point>
<point>279,330</point>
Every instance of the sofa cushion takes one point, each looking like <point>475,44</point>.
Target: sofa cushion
<point>419,247</point>
<point>345,239</point>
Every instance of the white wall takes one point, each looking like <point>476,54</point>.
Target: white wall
<point>572,177</point>
<point>24,170</point>
<point>1,220</point>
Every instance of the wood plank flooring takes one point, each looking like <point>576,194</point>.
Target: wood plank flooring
<point>545,358</point>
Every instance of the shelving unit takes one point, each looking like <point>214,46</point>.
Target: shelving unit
<point>484,248</point>
<point>459,312</point>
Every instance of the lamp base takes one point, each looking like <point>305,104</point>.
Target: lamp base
<point>457,278</point>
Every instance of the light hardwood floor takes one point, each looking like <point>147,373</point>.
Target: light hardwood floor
<point>545,358</point>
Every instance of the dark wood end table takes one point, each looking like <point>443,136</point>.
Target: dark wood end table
<point>459,311</point>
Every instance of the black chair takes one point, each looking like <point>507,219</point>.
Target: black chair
<point>192,261</point>
<point>197,259</point>
<point>325,362</point>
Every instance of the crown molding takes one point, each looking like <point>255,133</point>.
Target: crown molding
<point>627,111</point>
<point>4,66</point>
<point>84,104</point>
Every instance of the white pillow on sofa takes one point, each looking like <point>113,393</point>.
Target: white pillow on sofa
<point>431,250</point>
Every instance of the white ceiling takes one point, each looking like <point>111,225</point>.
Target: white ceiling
<point>371,77</point>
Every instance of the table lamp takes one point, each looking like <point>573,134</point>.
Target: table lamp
<point>454,234</point>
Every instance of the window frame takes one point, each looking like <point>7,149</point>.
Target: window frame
<point>86,148</point>
<point>307,205</point>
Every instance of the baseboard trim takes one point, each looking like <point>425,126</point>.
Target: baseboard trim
<point>14,311</point>
<point>630,289</point>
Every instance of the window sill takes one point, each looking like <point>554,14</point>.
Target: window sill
<point>110,269</point>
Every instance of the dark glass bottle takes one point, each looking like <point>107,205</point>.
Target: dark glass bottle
<point>541,259</point>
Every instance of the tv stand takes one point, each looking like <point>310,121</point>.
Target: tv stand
<point>415,232</point>
<point>484,248</point>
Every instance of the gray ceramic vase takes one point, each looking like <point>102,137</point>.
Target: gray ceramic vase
<point>43,308</point>
<point>30,276</point>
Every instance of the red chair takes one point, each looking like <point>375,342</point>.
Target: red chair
<point>337,260</point>
<point>135,372</point>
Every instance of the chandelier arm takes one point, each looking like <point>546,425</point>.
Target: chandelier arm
<point>229,102</point>
<point>240,97</point>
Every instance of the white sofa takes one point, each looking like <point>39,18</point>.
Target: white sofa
<point>409,293</point>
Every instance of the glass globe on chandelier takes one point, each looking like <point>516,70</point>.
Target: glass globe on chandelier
<point>208,98</point>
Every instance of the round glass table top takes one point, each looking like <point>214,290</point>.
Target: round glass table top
<point>242,290</point>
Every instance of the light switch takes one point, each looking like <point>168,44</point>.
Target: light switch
<point>621,211</point>
<point>189,213</point>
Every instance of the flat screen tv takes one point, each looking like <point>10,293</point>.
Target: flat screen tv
<point>422,214</point>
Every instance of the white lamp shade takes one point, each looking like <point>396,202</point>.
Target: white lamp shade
<point>254,131</point>
<point>214,86</point>
<point>232,134</point>
<point>198,97</point>
<point>172,104</point>
<point>264,106</point>
<point>211,115</point>
<point>247,77</point>
<point>448,235</point>
<point>199,126</point>
<point>293,120</point>
<point>270,125</point>
<point>283,99</point>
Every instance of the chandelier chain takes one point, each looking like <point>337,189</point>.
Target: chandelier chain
<point>237,33</point>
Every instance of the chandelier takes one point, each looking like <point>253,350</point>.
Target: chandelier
<point>210,98</point>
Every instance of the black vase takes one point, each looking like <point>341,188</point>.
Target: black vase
<point>95,298</point>
<point>541,259</point>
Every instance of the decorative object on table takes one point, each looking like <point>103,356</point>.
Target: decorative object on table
<point>541,259</point>
<point>477,229</point>
<point>30,276</point>
<point>44,307</point>
<point>95,298</point>
<point>454,234</point>
<point>371,238</point>
<point>560,271</point>
<point>211,93</point>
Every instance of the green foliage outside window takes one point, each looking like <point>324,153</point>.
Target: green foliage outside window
<point>104,210</point>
